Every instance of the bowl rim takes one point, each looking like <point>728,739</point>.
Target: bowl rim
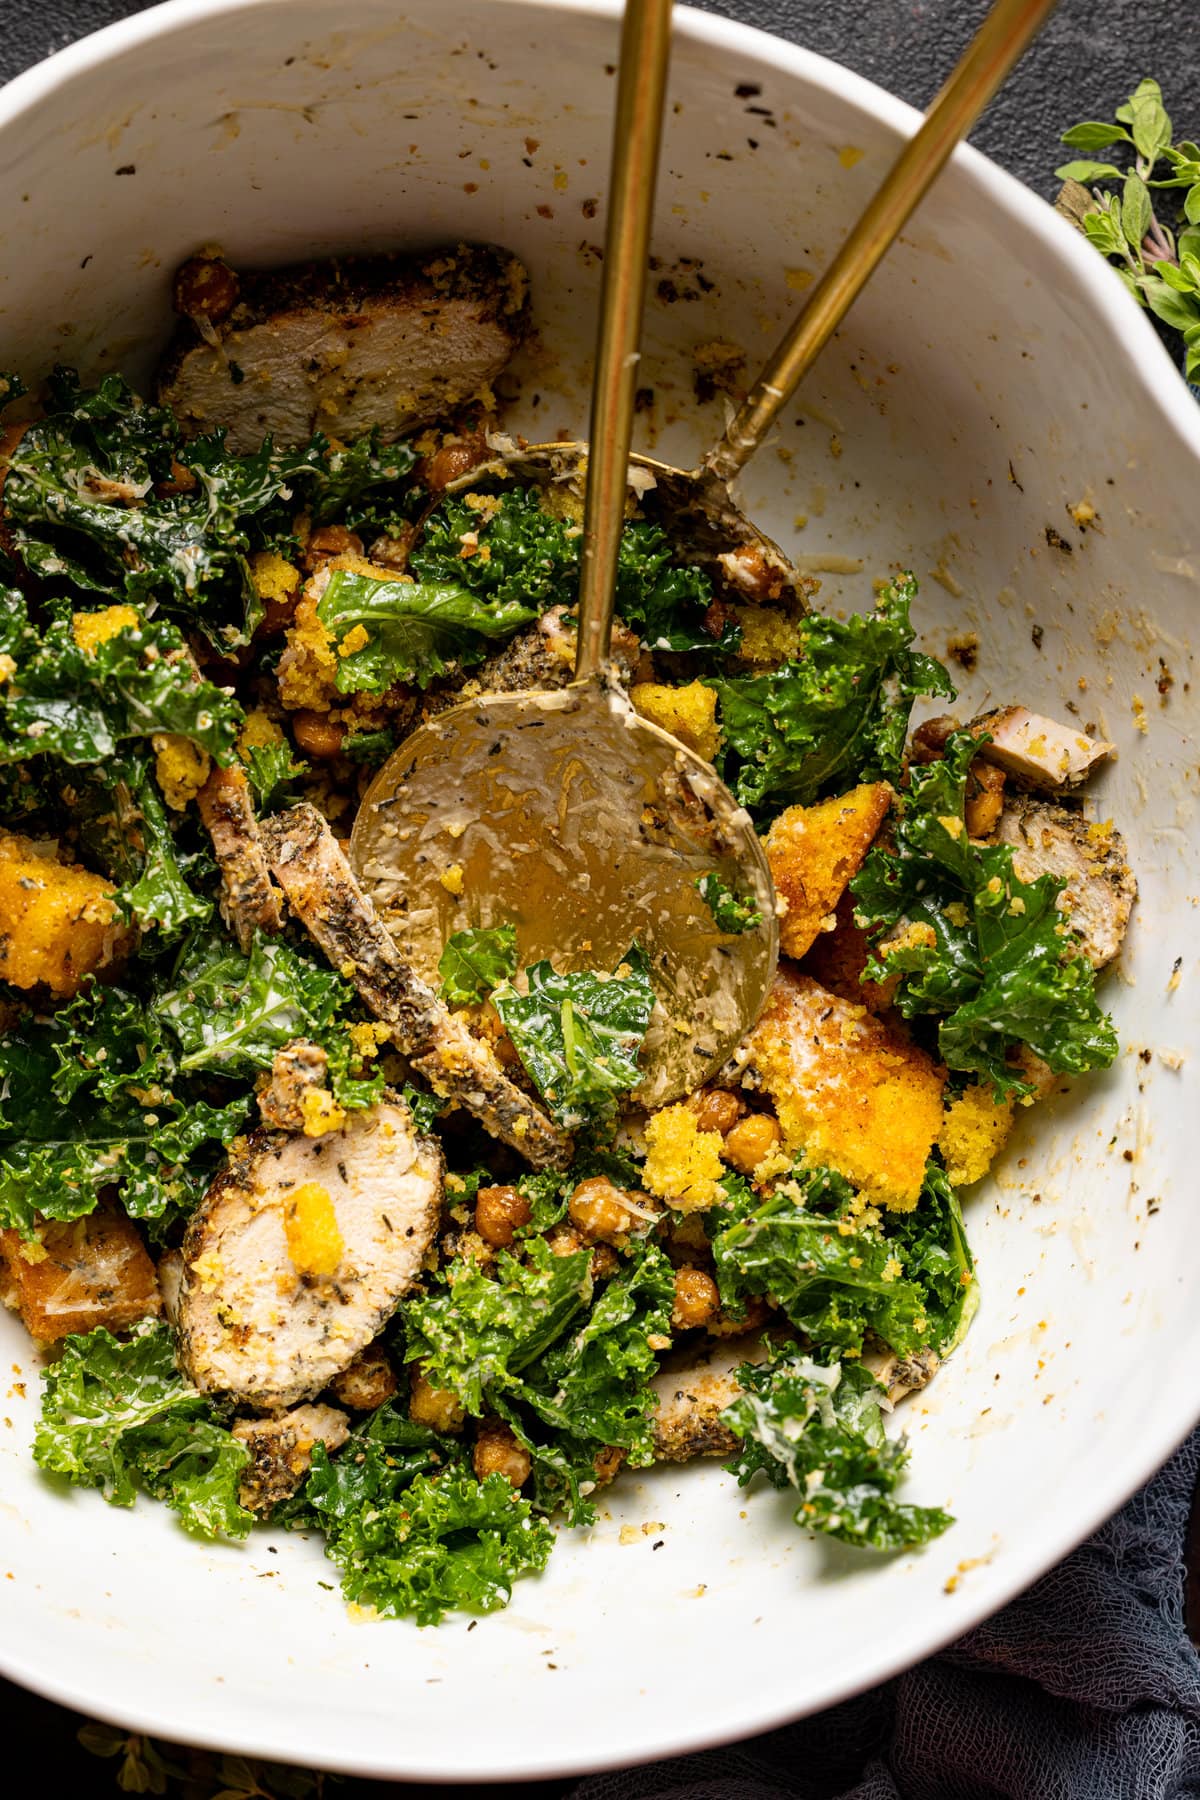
<point>1128,330</point>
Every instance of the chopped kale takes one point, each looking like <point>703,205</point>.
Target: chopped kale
<point>475,962</point>
<point>729,912</point>
<point>990,954</point>
<point>402,631</point>
<point>836,713</point>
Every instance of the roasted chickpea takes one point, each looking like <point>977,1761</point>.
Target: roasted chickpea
<point>696,1299</point>
<point>754,1314</point>
<point>436,1407</point>
<point>605,1262</point>
<point>929,739</point>
<point>564,1240</point>
<point>452,462</point>
<point>600,1210</point>
<point>716,1109</point>
<point>499,1213</point>
<point>317,734</point>
<point>750,1141</point>
<point>392,549</point>
<point>181,481</point>
<point>333,540</point>
<point>497,1452</point>
<point>205,288</point>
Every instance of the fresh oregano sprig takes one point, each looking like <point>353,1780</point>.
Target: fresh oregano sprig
<point>1159,266</point>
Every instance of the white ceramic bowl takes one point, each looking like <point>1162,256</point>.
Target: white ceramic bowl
<point>993,376</point>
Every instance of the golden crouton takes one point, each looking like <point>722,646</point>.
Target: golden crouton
<point>973,1133</point>
<point>91,629</point>
<point>78,1275</point>
<point>688,713</point>
<point>369,1381</point>
<point>814,850</point>
<point>683,1163</point>
<point>181,767</point>
<point>838,957</point>
<point>850,1094</point>
<point>58,922</point>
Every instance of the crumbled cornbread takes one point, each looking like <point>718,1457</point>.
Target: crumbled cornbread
<point>274,577</point>
<point>308,667</point>
<point>91,629</point>
<point>368,1037</point>
<point>452,878</point>
<point>973,1132</point>
<point>57,921</point>
<point>314,1243</point>
<point>258,731</point>
<point>181,766</point>
<point>813,852</point>
<point>683,1163</point>
<point>848,1092</point>
<point>768,637</point>
<point>688,713</point>
<point>321,1112</point>
<point>355,639</point>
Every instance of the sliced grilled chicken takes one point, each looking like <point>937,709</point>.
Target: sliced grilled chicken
<point>693,1388</point>
<point>299,1069</point>
<point>1090,857</point>
<point>1037,750</point>
<point>308,864</point>
<point>902,1375</point>
<point>281,1452</point>
<point>249,903</point>
<point>80,1274</point>
<point>345,347</point>
<point>300,1252</point>
<point>368,1383</point>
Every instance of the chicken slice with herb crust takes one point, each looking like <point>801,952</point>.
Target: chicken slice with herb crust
<point>1089,856</point>
<point>281,1452</point>
<point>300,1252</point>
<point>692,1390</point>
<point>249,903</point>
<point>349,346</point>
<point>308,864</point>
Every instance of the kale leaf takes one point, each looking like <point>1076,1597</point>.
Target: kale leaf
<point>124,824</point>
<point>270,770</point>
<point>729,912</point>
<point>837,712</point>
<point>931,1243</point>
<point>833,1278</point>
<point>82,704</point>
<point>820,1430</point>
<point>476,961</point>
<point>105,491</point>
<point>119,1416</point>
<point>450,1544</point>
<point>998,960</point>
<point>400,631</point>
<point>579,1035</point>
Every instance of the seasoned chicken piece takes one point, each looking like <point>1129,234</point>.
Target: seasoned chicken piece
<point>345,347</point>
<point>249,903</point>
<point>281,1452</point>
<point>368,1383</point>
<point>1090,857</point>
<point>300,1252</point>
<point>902,1375</point>
<point>1038,750</point>
<point>58,922</point>
<point>541,655</point>
<point>692,1389</point>
<point>814,851</point>
<point>298,1073</point>
<point>77,1275</point>
<point>849,1092</point>
<point>308,863</point>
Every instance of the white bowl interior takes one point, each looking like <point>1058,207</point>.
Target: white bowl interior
<point>992,377</point>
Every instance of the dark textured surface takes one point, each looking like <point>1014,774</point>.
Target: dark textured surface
<point>1089,57</point>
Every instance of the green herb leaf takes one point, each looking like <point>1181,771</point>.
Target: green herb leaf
<point>820,1430</point>
<point>1088,171</point>
<point>414,630</point>
<point>476,961</point>
<point>1136,210</point>
<point>579,1035</point>
<point>729,912</point>
<point>1094,134</point>
<point>119,1416</point>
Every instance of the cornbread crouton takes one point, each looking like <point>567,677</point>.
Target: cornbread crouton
<point>58,922</point>
<point>688,713</point>
<point>683,1163</point>
<point>849,1093</point>
<point>974,1131</point>
<point>182,768</point>
<point>769,637</point>
<point>368,1383</point>
<point>91,629</point>
<point>838,957</point>
<point>78,1275</point>
<point>813,852</point>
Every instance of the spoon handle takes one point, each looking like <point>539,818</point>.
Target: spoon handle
<point>1002,39</point>
<point>637,129</point>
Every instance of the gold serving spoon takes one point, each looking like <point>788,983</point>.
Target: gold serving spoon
<point>565,813</point>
